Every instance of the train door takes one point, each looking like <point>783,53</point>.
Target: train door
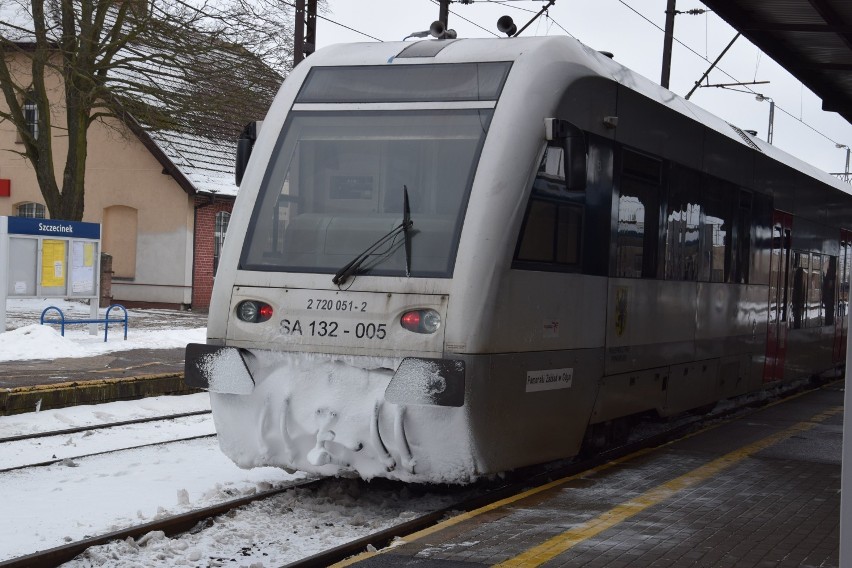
<point>779,285</point>
<point>842,286</point>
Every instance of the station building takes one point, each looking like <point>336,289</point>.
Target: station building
<point>163,196</point>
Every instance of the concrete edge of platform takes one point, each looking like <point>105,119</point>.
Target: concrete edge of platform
<point>61,395</point>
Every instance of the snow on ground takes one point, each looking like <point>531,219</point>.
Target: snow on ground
<point>20,453</point>
<point>147,329</point>
<point>47,506</point>
<point>87,415</point>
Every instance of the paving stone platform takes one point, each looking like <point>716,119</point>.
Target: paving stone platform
<point>759,491</point>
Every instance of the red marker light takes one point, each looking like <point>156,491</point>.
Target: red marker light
<point>411,321</point>
<point>254,312</point>
<point>264,313</point>
<point>421,321</point>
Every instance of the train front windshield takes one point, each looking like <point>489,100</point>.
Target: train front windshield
<point>356,140</point>
<point>336,183</point>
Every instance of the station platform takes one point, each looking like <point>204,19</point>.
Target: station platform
<point>122,375</point>
<point>761,490</point>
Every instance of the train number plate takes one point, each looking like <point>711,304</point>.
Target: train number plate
<point>328,328</point>
<point>325,305</point>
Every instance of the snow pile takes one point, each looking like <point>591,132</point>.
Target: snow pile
<point>328,415</point>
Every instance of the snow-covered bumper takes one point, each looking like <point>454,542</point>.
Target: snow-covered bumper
<point>338,415</point>
<point>416,380</point>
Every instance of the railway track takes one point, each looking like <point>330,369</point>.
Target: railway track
<point>79,429</point>
<point>170,526</point>
<point>465,499</point>
<point>10,442</point>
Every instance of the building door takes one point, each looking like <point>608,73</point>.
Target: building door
<point>779,292</point>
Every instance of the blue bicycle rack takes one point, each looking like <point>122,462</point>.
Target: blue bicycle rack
<point>105,320</point>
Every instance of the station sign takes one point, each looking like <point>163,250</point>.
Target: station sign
<point>48,258</point>
<point>49,227</point>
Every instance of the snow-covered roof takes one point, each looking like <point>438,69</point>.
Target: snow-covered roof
<point>206,164</point>
<point>196,144</point>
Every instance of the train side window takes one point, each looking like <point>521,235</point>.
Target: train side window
<point>550,235</point>
<point>743,239</point>
<point>815,289</point>
<point>637,232</point>
<point>843,277</point>
<point>829,289</point>
<point>683,215</point>
<point>799,289</point>
<point>716,231</point>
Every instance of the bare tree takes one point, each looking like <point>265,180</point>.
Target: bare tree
<point>162,64</point>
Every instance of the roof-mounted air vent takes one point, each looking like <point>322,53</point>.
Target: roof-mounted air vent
<point>428,48</point>
<point>746,138</point>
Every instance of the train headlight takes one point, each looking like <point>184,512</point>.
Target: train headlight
<point>254,312</point>
<point>421,321</point>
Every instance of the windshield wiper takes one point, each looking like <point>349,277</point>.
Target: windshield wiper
<point>342,275</point>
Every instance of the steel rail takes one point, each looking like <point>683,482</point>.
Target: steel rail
<point>105,452</point>
<point>79,429</point>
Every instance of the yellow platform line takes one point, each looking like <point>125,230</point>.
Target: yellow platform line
<point>561,543</point>
<point>452,521</point>
<point>460,518</point>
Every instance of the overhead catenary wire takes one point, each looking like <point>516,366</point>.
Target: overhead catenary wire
<point>329,20</point>
<point>471,22</point>
<point>547,13</point>
<point>752,91</point>
<point>508,3</point>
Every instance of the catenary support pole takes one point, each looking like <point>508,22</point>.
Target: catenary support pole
<point>310,29</point>
<point>299,33</point>
<point>770,130</point>
<point>444,13</point>
<point>667,44</point>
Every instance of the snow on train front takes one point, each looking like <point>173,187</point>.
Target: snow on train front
<point>280,398</point>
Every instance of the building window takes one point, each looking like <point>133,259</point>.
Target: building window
<point>31,114</point>
<point>31,210</point>
<point>119,236</point>
<point>222,218</point>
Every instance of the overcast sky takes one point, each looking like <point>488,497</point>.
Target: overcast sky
<point>626,28</point>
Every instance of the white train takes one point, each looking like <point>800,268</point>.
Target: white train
<point>457,257</point>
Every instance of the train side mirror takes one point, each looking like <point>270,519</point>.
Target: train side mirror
<point>245,144</point>
<point>575,162</point>
<point>574,141</point>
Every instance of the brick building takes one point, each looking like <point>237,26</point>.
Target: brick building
<point>212,214</point>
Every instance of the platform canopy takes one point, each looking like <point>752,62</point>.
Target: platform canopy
<point>812,39</point>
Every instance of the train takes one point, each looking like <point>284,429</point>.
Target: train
<point>454,258</point>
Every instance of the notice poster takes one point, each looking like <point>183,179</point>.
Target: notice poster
<point>82,267</point>
<point>52,263</point>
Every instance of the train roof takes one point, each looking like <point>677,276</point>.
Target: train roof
<point>547,49</point>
